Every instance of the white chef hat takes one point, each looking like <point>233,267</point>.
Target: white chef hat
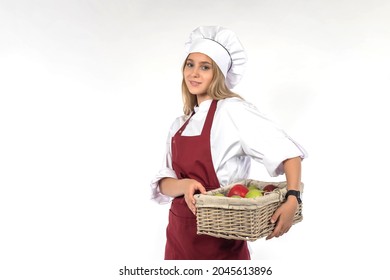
<point>222,46</point>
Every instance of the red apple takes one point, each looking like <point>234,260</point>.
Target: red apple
<point>269,188</point>
<point>238,189</point>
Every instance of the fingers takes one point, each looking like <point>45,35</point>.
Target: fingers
<point>190,200</point>
<point>277,232</point>
<point>196,187</point>
<point>192,187</point>
<point>191,205</point>
<point>282,225</point>
<point>202,189</point>
<point>275,216</point>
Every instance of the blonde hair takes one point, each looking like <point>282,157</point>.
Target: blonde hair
<point>217,89</point>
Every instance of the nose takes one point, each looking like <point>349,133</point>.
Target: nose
<point>195,72</point>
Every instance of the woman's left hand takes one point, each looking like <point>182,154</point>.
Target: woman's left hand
<point>283,217</point>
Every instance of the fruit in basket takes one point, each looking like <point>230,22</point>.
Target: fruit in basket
<point>252,187</point>
<point>253,193</point>
<point>219,194</point>
<point>236,196</point>
<point>238,189</point>
<point>269,188</point>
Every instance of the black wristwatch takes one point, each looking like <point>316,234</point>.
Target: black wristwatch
<point>297,194</point>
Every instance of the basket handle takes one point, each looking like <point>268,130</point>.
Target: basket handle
<point>279,191</point>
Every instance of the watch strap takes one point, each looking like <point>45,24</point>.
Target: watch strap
<point>295,193</point>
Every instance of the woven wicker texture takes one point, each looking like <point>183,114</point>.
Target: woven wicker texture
<point>240,218</point>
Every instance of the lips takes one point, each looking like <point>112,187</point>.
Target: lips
<point>194,84</point>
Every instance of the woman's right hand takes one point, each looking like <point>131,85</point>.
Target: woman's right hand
<point>190,186</point>
<point>178,187</point>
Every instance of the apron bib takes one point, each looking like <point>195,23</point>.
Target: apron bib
<point>191,158</point>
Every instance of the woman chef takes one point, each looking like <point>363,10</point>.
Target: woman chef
<point>212,145</point>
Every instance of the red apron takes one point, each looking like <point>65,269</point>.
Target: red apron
<point>191,158</point>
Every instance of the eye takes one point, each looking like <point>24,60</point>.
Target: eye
<point>189,64</point>
<point>206,67</point>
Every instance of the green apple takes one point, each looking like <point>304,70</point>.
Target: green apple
<point>254,193</point>
<point>253,187</point>
<point>219,194</point>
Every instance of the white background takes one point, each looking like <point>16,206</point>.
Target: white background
<point>88,90</point>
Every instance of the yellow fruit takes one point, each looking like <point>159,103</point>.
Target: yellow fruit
<point>219,194</point>
<point>253,193</point>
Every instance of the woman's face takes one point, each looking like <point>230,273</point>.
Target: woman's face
<point>198,74</point>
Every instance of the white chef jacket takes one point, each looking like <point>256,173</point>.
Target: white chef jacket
<point>239,133</point>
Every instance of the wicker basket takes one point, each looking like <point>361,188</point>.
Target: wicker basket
<point>240,218</point>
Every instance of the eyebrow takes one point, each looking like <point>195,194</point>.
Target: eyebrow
<point>201,62</point>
